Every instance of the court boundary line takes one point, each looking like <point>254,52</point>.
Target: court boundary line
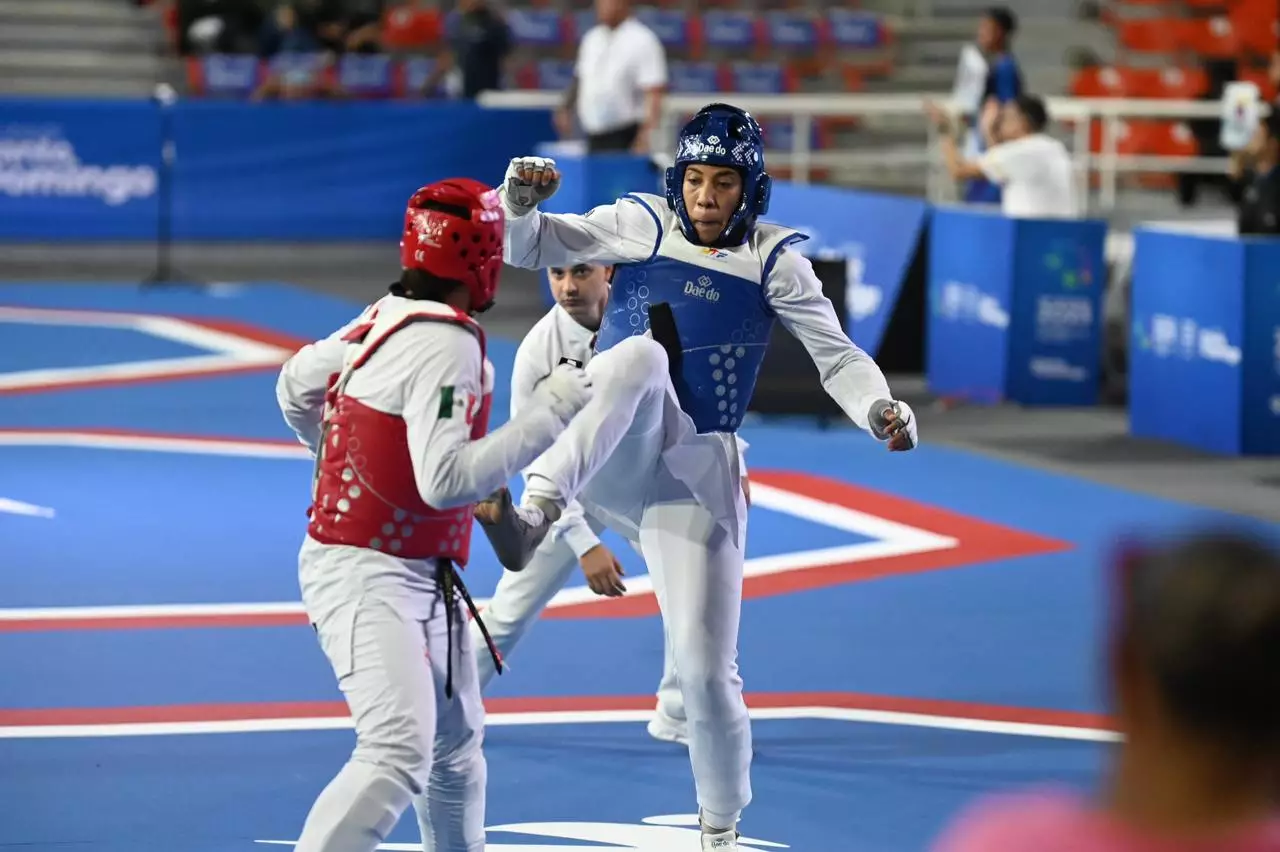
<point>175,720</point>
<point>905,537</point>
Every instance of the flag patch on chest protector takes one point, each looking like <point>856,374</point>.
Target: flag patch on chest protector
<point>571,361</point>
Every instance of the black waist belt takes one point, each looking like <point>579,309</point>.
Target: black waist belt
<point>447,582</point>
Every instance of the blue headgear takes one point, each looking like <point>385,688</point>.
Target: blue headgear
<point>723,135</point>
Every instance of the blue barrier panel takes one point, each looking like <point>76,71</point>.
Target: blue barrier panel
<point>1015,308</point>
<point>78,170</point>
<point>330,171</point>
<point>1204,363</point>
<point>875,234</point>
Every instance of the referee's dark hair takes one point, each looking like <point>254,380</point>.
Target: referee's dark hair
<point>1272,123</point>
<point>1034,111</point>
<point>1004,19</point>
<point>1198,631</point>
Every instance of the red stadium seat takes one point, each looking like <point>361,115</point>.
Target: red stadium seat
<point>407,27</point>
<point>1210,37</point>
<point>1151,35</point>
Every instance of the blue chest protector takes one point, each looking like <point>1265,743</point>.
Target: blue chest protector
<point>723,320</point>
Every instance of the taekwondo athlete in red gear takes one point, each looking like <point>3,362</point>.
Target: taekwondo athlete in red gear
<point>395,407</point>
<point>698,287</point>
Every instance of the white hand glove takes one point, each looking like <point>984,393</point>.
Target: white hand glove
<point>529,181</point>
<point>565,391</point>
<point>899,429</point>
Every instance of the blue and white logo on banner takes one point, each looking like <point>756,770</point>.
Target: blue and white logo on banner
<point>1186,344</point>
<point>92,167</point>
<point>875,234</point>
<point>1059,274</point>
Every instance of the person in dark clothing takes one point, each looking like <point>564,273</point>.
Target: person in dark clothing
<point>1004,84</point>
<point>479,43</point>
<point>1258,178</point>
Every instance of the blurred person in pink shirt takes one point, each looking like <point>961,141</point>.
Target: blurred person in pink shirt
<point>1195,677</point>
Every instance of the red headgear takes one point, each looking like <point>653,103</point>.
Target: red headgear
<point>453,230</point>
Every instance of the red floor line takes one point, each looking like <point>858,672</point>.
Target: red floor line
<point>57,716</point>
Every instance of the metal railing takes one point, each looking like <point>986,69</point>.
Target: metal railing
<point>1078,113</point>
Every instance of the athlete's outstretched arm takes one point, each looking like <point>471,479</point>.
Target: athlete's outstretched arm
<point>613,233</point>
<point>849,375</point>
<point>449,467</point>
<point>304,380</point>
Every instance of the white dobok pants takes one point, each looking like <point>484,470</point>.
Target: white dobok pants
<point>520,599</point>
<point>634,460</point>
<point>383,628</point>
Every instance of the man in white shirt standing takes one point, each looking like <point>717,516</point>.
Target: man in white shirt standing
<point>618,81</point>
<point>1033,169</point>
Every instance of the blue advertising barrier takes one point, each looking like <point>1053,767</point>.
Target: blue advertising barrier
<point>88,170</point>
<point>1204,348</point>
<point>79,170</point>
<point>1015,308</point>
<point>875,234</point>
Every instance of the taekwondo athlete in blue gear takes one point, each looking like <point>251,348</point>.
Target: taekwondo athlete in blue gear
<point>698,285</point>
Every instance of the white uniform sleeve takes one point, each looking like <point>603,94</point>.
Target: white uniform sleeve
<point>652,70</point>
<point>449,467</point>
<point>1009,161</point>
<point>525,375</point>
<point>304,381</point>
<point>612,233</point>
<point>849,375</point>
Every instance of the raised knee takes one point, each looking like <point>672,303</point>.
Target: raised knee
<point>709,691</point>
<point>646,364</point>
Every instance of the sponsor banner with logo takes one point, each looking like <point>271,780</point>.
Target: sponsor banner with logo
<point>1204,363</point>
<point>74,170</point>
<point>1015,308</point>
<point>875,235</point>
<point>79,170</point>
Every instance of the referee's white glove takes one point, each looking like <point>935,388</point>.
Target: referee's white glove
<point>529,181</point>
<point>893,421</point>
<point>565,391</point>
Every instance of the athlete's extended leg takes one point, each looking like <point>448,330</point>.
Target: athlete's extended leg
<point>631,382</point>
<point>378,655</point>
<point>521,597</point>
<point>451,810</point>
<point>696,567</point>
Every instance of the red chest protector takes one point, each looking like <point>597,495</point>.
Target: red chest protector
<point>365,494</point>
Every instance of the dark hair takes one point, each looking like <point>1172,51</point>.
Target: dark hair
<point>1034,111</point>
<point>420,284</point>
<point>1004,19</point>
<point>1202,619</point>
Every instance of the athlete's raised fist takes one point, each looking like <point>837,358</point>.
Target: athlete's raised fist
<point>529,182</point>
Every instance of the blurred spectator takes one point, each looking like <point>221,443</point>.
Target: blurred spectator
<point>1004,83</point>
<point>618,81</point>
<point>1032,168</point>
<point>217,26</point>
<point>1258,178</point>
<point>1194,666</point>
<point>334,26</point>
<point>299,56</point>
<point>479,44</point>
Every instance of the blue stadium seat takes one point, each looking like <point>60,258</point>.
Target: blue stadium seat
<point>554,74</point>
<point>729,30</point>
<point>536,27</point>
<point>670,25</point>
<point>853,29</point>
<point>693,77</point>
<point>366,76</point>
<point>760,78</point>
<point>791,31</point>
<point>225,75</point>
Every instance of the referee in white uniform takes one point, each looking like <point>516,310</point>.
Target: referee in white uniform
<point>618,82</point>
